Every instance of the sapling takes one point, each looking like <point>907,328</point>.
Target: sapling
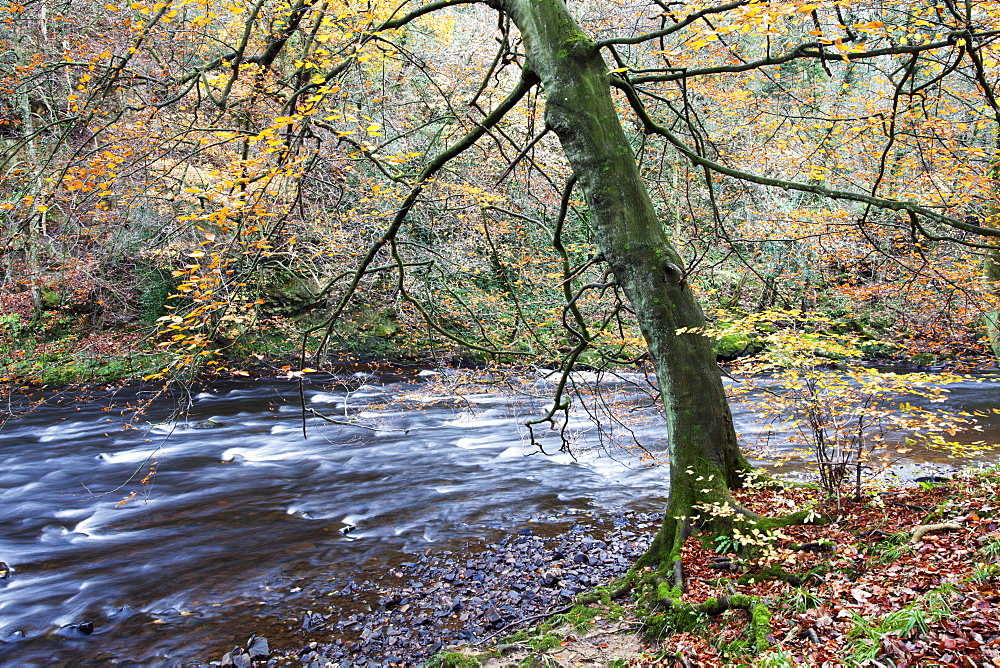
<point>850,420</point>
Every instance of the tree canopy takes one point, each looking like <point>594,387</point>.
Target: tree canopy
<point>797,154</point>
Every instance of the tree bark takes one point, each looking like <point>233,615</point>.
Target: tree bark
<point>705,460</point>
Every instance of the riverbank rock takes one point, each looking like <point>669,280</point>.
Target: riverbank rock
<point>238,659</point>
<point>256,652</point>
<point>259,648</point>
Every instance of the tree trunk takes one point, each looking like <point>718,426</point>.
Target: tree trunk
<point>705,461</point>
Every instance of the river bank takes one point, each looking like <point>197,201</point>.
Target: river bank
<point>168,538</point>
<point>73,353</point>
<point>440,598</point>
<point>898,552</point>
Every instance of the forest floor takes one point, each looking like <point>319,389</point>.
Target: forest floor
<point>903,577</point>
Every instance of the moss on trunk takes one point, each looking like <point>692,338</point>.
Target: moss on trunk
<point>705,461</point>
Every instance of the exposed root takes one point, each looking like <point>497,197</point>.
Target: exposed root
<point>800,517</point>
<point>600,595</point>
<point>920,532</point>
<point>777,573</point>
<point>816,546</point>
<point>524,620</point>
<point>679,615</point>
<point>658,577</point>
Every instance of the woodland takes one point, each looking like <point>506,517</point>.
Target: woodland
<point>199,187</point>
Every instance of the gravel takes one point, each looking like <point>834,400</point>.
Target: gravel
<point>448,597</point>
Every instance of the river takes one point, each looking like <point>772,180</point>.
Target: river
<point>246,521</point>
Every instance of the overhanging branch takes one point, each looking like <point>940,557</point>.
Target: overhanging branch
<point>524,84</point>
<point>911,207</point>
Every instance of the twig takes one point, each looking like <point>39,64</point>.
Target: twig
<point>347,423</point>
<point>136,472</point>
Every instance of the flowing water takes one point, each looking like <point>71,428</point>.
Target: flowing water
<point>245,521</point>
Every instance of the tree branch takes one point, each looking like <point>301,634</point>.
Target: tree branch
<point>650,126</point>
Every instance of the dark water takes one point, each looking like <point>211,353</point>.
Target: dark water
<point>245,521</point>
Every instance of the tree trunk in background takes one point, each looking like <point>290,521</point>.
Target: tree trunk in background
<point>705,460</point>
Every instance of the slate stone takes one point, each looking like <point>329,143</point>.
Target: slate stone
<point>259,647</point>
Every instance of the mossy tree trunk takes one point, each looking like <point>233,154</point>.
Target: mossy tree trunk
<point>705,461</point>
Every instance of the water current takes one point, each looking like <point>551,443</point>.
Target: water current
<point>246,522</point>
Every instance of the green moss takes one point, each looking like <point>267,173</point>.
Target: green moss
<point>665,590</point>
<point>677,616</point>
<point>733,345</point>
<point>580,617</point>
<point>734,648</point>
<point>808,516</point>
<point>760,625</point>
<point>545,642</point>
<point>754,641</point>
<point>453,660</point>
<point>657,625</point>
<point>615,611</point>
<point>685,619</point>
<point>520,636</point>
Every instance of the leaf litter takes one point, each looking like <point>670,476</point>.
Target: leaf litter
<point>873,588</point>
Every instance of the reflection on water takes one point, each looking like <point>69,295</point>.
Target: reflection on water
<point>243,513</point>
